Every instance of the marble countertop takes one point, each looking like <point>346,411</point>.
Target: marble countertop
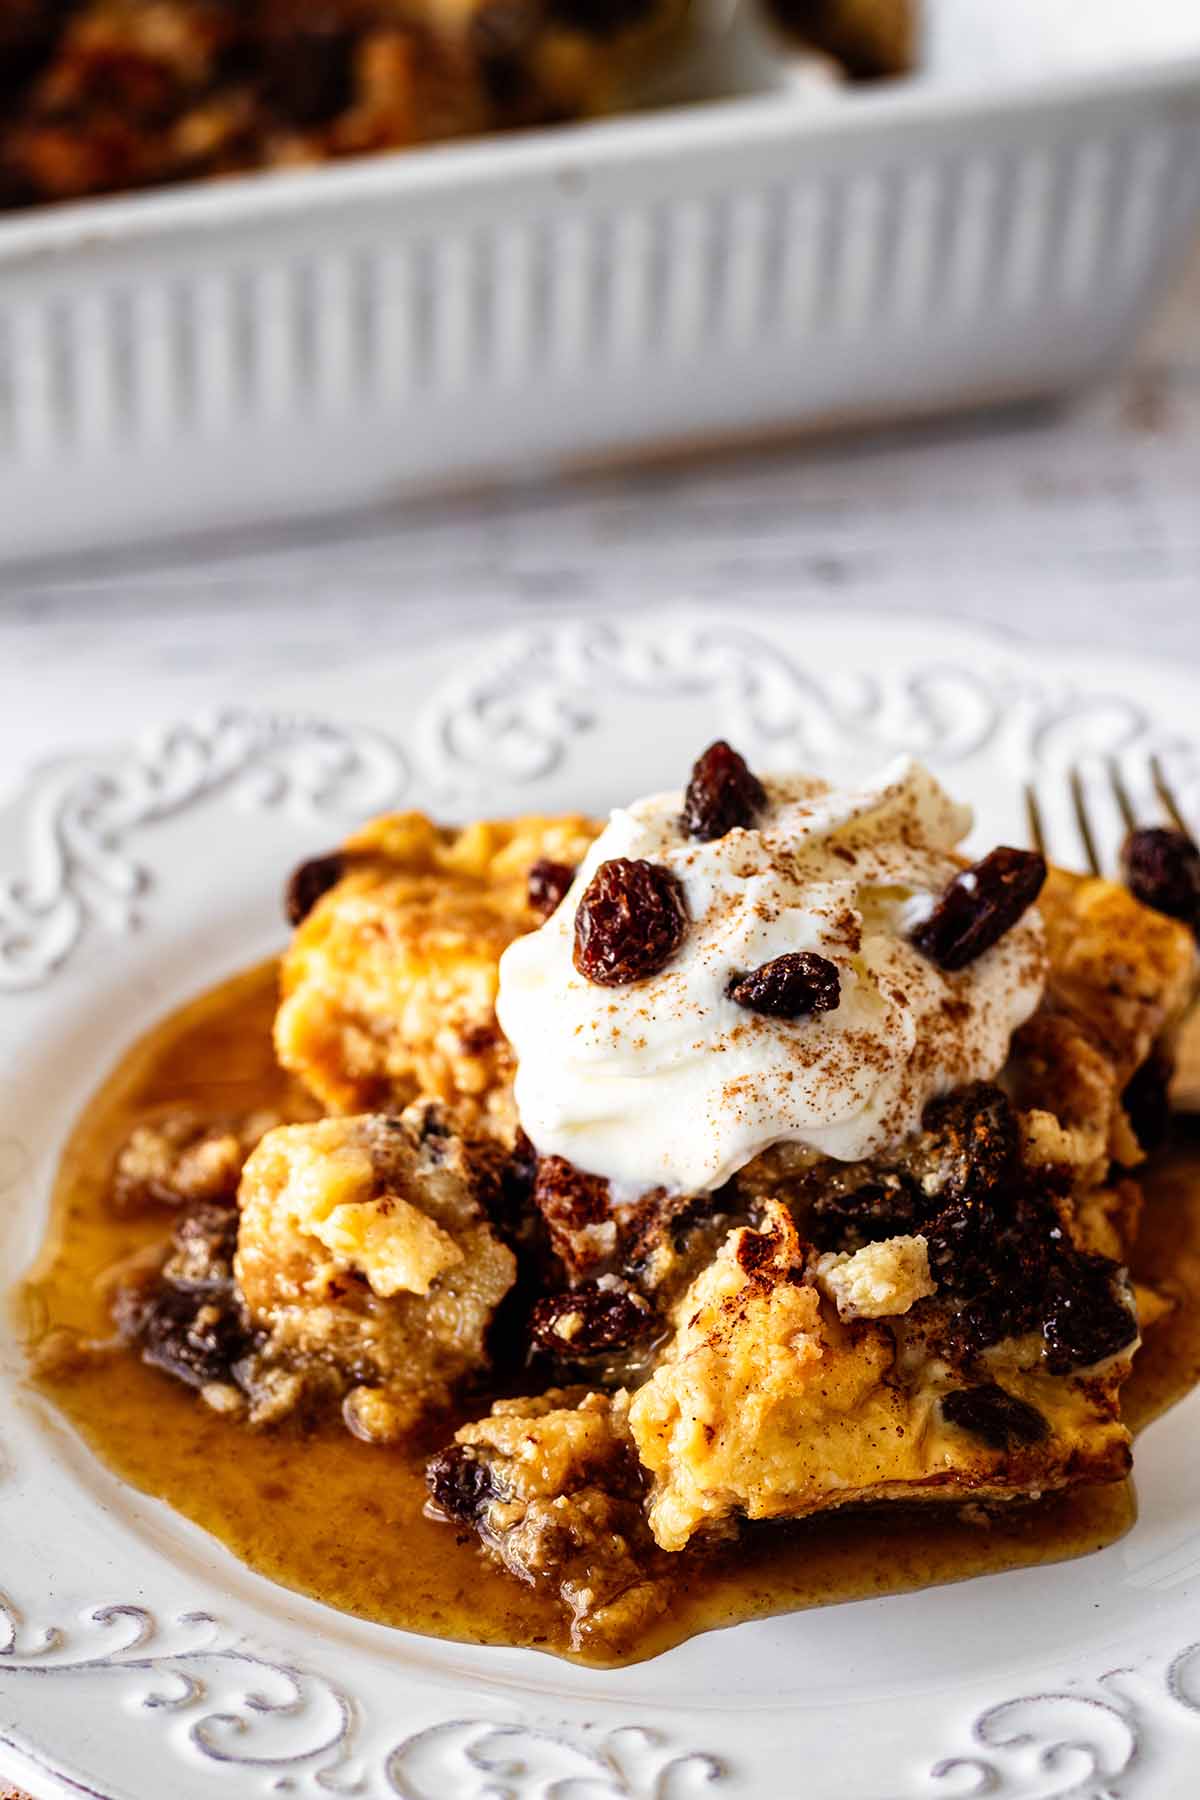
<point>1078,522</point>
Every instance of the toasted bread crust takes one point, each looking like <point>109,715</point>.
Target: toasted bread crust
<point>388,989</point>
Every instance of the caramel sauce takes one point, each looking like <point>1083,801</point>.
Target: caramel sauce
<point>343,1521</point>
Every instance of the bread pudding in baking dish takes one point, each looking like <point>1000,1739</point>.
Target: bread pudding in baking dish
<point>107,96</point>
<point>751,1160</point>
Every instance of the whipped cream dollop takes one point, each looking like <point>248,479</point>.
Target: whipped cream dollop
<point>669,1082</point>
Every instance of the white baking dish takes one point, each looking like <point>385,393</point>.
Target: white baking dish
<point>276,346</point>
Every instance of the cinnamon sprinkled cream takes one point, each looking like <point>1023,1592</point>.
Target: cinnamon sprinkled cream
<point>669,1082</point>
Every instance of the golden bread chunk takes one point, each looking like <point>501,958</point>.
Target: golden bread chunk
<point>767,1405</point>
<point>388,989</point>
<point>183,1157</point>
<point>1069,1093</point>
<point>364,1249</point>
<point>1123,971</point>
<point>1106,1219</point>
<point>882,1280</point>
<point>1121,980</point>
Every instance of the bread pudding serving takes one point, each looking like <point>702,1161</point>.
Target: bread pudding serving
<point>108,96</point>
<point>662,1189</point>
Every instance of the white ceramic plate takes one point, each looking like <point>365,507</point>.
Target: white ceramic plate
<point>139,1661</point>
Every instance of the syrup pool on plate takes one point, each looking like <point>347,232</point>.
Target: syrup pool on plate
<point>344,1521</point>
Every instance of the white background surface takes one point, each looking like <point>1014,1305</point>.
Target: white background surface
<point>1080,525</point>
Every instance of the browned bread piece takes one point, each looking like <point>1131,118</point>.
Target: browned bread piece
<point>101,96</point>
<point>365,1253</point>
<point>1122,970</point>
<point>779,1397</point>
<point>553,1486</point>
<point>388,990</point>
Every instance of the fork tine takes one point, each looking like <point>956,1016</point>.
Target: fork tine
<point>1166,797</point>
<point>1033,818</point>
<point>1079,802</point>
<point>1121,794</point>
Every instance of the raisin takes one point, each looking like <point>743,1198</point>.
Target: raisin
<point>1088,1316</point>
<point>504,1185</point>
<point>599,18</point>
<point>789,987</point>
<point>1000,1256</point>
<point>999,1418</point>
<point>28,29</point>
<point>500,36</point>
<point>547,884</point>
<point>988,1319</point>
<point>1147,1101</point>
<point>522,1167</point>
<point>25,22</point>
<point>16,188</point>
<point>722,793</point>
<point>1162,870</point>
<point>307,59</point>
<point>972,1147</point>
<point>979,906</point>
<point>966,1194</point>
<point>975,1140</point>
<point>309,882</point>
<point>1022,1275</point>
<point>136,87</point>
<point>193,1335</point>
<point>459,1484</point>
<point>629,923</point>
<point>961,1245</point>
<point>893,1206</point>
<point>586,1320</point>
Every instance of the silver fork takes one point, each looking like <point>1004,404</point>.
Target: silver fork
<point>1083,820</point>
<point>1185,1091</point>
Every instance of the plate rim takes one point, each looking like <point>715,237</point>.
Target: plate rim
<point>978,1756</point>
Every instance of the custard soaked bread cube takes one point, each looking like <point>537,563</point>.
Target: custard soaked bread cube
<point>389,987</point>
<point>1090,1069</point>
<point>1124,971</point>
<point>182,1157</point>
<point>950,1319</point>
<point>771,1404</point>
<point>365,1258</point>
